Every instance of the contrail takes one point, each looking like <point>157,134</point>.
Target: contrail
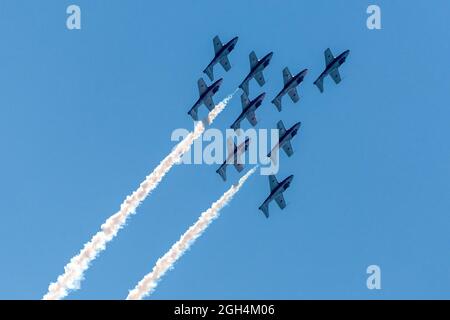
<point>74,270</point>
<point>148,284</point>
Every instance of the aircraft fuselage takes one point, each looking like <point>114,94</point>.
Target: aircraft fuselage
<point>252,106</point>
<point>336,63</point>
<point>292,132</point>
<point>293,83</point>
<point>238,150</point>
<point>260,66</point>
<point>212,89</point>
<point>282,186</point>
<point>226,49</point>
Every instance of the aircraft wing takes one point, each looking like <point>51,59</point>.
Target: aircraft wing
<point>202,87</point>
<point>293,94</point>
<point>286,75</point>
<point>251,117</point>
<point>287,147</point>
<point>280,201</point>
<point>253,59</point>
<point>244,101</point>
<point>328,56</point>
<point>281,128</point>
<point>225,63</point>
<point>260,78</point>
<point>217,44</point>
<point>222,171</point>
<point>239,166</point>
<point>335,75</point>
<point>208,102</point>
<point>273,182</point>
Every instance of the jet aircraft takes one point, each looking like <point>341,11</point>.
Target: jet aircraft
<point>290,85</point>
<point>285,137</point>
<point>332,67</point>
<point>206,93</point>
<point>220,56</point>
<point>248,110</point>
<point>234,157</point>
<point>256,70</point>
<point>276,193</point>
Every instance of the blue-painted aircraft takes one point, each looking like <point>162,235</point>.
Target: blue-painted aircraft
<point>234,158</point>
<point>276,193</point>
<point>206,93</point>
<point>290,86</point>
<point>248,110</point>
<point>256,70</point>
<point>220,56</point>
<point>285,137</point>
<point>332,67</point>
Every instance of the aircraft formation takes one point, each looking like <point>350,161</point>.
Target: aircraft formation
<point>249,107</point>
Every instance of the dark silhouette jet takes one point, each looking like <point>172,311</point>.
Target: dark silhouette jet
<point>220,55</point>
<point>276,193</point>
<point>234,158</point>
<point>332,67</point>
<point>290,85</point>
<point>206,93</point>
<point>248,110</point>
<point>285,137</point>
<point>256,70</point>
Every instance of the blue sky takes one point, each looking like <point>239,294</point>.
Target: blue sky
<point>85,115</point>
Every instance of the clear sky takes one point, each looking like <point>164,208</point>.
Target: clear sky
<point>85,115</point>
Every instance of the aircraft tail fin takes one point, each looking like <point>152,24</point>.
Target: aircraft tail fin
<point>222,171</point>
<point>277,103</point>
<point>265,209</point>
<point>319,84</point>
<point>236,125</point>
<point>244,87</point>
<point>193,114</point>
<point>209,72</point>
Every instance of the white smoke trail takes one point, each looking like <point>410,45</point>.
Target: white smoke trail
<point>74,270</point>
<point>148,284</point>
